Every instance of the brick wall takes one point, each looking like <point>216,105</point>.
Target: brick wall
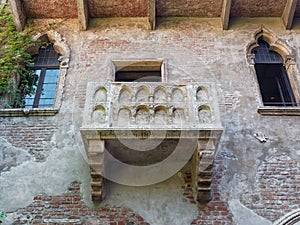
<point>193,50</point>
<point>252,8</point>
<point>276,194</point>
<point>139,8</point>
<point>32,135</point>
<point>216,212</point>
<point>50,8</point>
<point>118,8</point>
<point>277,188</point>
<point>188,8</point>
<point>70,209</point>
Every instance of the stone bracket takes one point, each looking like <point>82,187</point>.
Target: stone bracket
<point>202,170</point>
<point>95,153</point>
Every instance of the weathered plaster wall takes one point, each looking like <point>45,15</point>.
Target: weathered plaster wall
<point>251,179</point>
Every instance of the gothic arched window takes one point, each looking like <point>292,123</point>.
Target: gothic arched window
<point>272,76</point>
<point>46,67</point>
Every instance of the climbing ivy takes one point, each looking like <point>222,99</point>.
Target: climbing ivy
<point>2,215</point>
<point>13,60</point>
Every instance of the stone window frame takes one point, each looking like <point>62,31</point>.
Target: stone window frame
<point>119,62</point>
<point>61,47</point>
<point>288,57</point>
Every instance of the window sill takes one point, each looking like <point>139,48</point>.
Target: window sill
<point>28,112</point>
<point>279,111</point>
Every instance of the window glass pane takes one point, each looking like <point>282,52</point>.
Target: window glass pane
<point>51,76</point>
<point>47,97</point>
<point>29,98</point>
<point>49,87</point>
<point>29,102</point>
<point>42,102</point>
<point>49,101</point>
<point>46,103</point>
<point>48,94</point>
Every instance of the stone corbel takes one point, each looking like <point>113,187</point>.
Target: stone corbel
<point>204,164</point>
<point>95,152</point>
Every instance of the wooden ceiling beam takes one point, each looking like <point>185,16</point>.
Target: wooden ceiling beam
<point>288,13</point>
<point>151,14</point>
<point>83,14</point>
<point>225,14</point>
<point>18,12</point>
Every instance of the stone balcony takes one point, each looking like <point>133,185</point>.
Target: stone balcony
<point>144,128</point>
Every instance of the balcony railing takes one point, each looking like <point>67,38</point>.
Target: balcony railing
<point>151,106</point>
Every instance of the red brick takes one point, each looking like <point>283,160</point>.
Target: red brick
<point>140,218</point>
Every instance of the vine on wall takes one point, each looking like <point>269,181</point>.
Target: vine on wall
<point>2,215</point>
<point>15,78</point>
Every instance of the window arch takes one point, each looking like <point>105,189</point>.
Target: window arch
<point>58,46</point>
<point>50,63</point>
<point>273,64</point>
<point>272,76</point>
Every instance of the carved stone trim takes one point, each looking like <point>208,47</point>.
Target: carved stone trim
<point>151,106</point>
<point>276,44</point>
<point>27,112</point>
<point>250,58</point>
<point>59,44</point>
<point>279,111</point>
